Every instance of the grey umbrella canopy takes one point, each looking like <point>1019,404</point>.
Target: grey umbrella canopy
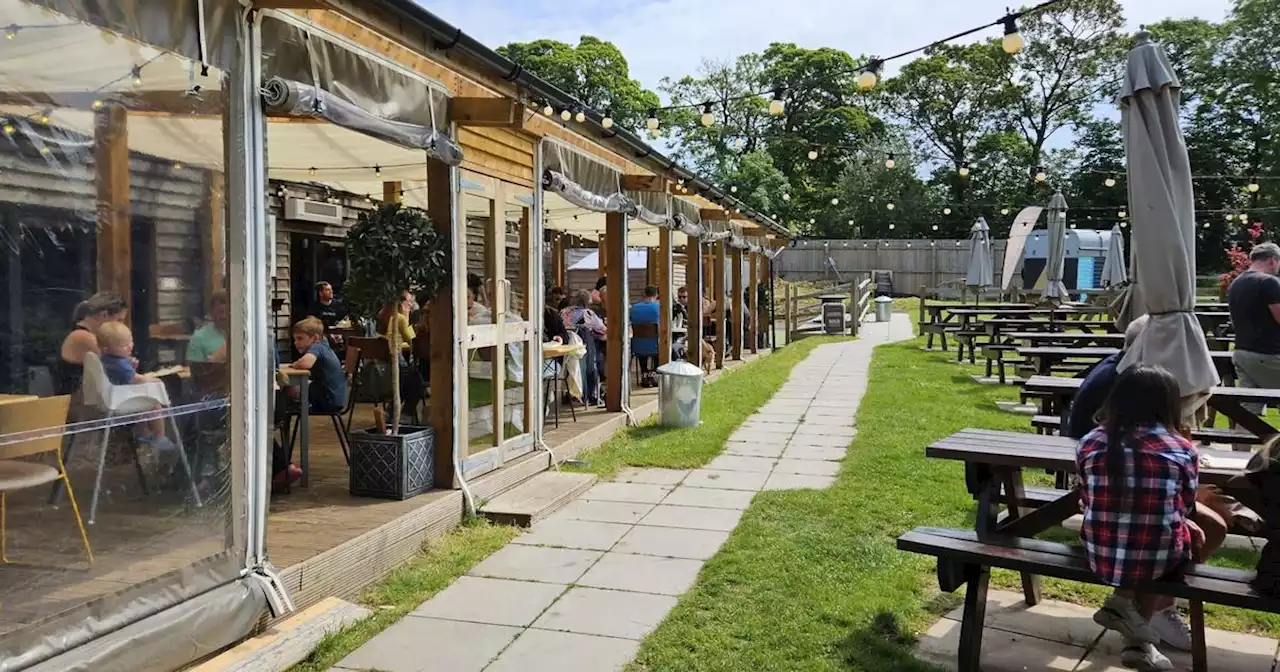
<point>1054,290</point>
<point>1163,238</point>
<point>979,275</point>
<point>1114,273</point>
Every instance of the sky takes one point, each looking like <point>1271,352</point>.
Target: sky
<point>670,38</point>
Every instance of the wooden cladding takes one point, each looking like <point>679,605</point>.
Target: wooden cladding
<point>643,183</point>
<point>487,112</point>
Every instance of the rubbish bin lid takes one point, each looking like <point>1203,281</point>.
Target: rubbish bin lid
<point>884,299</point>
<point>680,369</point>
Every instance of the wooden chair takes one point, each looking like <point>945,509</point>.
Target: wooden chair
<point>33,415</point>
<point>647,330</point>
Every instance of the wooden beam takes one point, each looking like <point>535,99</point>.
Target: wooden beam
<point>602,256</point>
<point>650,265</point>
<point>213,238</point>
<point>753,302</point>
<point>150,103</point>
<point>115,214</point>
<point>532,349</point>
<point>557,260</point>
<point>489,112</point>
<point>391,192</point>
<point>693,282</point>
<point>616,312</point>
<point>739,320</point>
<point>713,215</point>
<point>717,295</point>
<point>666,294</point>
<point>643,183</point>
<point>443,325</point>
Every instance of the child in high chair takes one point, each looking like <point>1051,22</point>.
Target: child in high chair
<point>116,342</point>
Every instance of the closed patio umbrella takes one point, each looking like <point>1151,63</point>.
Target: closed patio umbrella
<point>979,275</point>
<point>1163,207</point>
<point>1114,273</point>
<point>1054,290</point>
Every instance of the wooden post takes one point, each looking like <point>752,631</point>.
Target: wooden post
<point>532,349</point>
<point>788,318</point>
<point>650,262</point>
<point>444,334</point>
<point>616,312</point>
<point>602,253</point>
<point>693,282</point>
<point>924,299</point>
<point>666,298</point>
<point>391,192</point>
<point>557,261</point>
<point>738,304</point>
<point>495,270</point>
<point>753,302</point>
<point>115,213</point>
<point>854,297</point>
<point>214,236</point>
<point>718,295</point>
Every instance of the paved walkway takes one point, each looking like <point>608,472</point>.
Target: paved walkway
<point>583,587</point>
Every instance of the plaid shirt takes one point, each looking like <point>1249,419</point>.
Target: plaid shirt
<point>1136,529</point>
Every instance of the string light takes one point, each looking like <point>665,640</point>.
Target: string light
<point>565,114</point>
<point>1205,225</point>
<point>777,106</point>
<point>1004,211</point>
<point>8,128</point>
<point>733,189</point>
<point>96,105</point>
<point>707,117</point>
<point>1253,186</point>
<point>934,227</point>
<point>1122,214</point>
<point>835,201</point>
<point>607,122</point>
<point>652,122</point>
<point>946,211</point>
<point>889,162</point>
<point>377,171</point>
<point>547,110</point>
<point>1110,182</point>
<point>870,75</point>
<point>811,220</point>
<point>813,154</point>
<point>44,116</point>
<point>11,32</point>
<point>786,197</point>
<point>891,226</point>
<point>1040,174</point>
<point>890,205</point>
<point>1244,217</point>
<point>311,171</point>
<point>177,165</point>
<point>135,75</point>
<point>580,116</point>
<point>964,169</point>
<point>1012,41</point>
<point>1124,225</point>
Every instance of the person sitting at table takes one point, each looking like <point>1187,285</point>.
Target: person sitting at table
<point>1139,478</point>
<point>476,286</point>
<point>328,386</point>
<point>680,309</point>
<point>477,312</point>
<point>115,341</point>
<point>1093,392</point>
<point>328,308</point>
<point>557,299</point>
<point>89,315</point>
<point>579,318</point>
<point>552,325</point>
<point>209,342</point>
<point>396,316</point>
<point>645,348</point>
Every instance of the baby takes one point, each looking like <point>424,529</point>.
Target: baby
<point>116,342</point>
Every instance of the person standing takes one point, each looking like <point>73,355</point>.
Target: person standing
<point>1254,301</point>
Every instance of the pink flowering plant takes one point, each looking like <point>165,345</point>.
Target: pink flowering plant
<point>1239,257</point>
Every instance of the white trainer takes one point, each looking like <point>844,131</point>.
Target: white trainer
<point>1121,615</point>
<point>1144,657</point>
<point>1172,629</point>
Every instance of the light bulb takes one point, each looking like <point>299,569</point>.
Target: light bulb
<point>813,154</point>
<point>835,201</point>
<point>377,171</point>
<point>786,197</point>
<point>946,211</point>
<point>1253,186</point>
<point>565,114</point>
<point>934,227</point>
<point>96,105</point>
<point>311,171</point>
<point>707,117</point>
<point>851,222</point>
<point>607,122</point>
<point>8,128</point>
<point>1004,211</point>
<point>1206,225</point>
<point>889,162</point>
<point>11,32</point>
<point>580,116</point>
<point>177,165</point>
<point>811,220</point>
<point>777,106</point>
<point>1123,214</point>
<point>867,80</point>
<point>548,110</point>
<point>1012,41</point>
<point>1040,175</point>
<point>964,169</point>
<point>1073,225</point>
<point>135,75</point>
<point>733,189</point>
<point>957,243</point>
<point>652,122</point>
<point>1110,181</point>
<point>890,227</point>
<point>44,115</point>
<point>890,205</point>
<point>1124,225</point>
<point>1244,217</point>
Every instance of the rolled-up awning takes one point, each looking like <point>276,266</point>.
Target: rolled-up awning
<point>581,180</point>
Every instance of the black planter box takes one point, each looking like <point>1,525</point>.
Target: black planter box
<point>392,467</point>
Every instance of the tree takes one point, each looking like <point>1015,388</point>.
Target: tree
<point>595,72</point>
<point>740,122</point>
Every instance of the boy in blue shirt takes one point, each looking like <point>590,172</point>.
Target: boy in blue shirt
<point>328,381</point>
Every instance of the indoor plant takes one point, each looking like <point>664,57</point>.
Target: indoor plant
<point>392,250</point>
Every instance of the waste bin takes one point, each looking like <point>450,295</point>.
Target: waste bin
<point>679,395</point>
<point>884,308</point>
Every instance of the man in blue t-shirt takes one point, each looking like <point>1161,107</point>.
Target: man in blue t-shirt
<point>1097,386</point>
<point>645,314</point>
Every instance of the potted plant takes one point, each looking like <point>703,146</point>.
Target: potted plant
<point>392,250</point>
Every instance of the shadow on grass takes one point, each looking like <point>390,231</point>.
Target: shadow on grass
<point>884,644</point>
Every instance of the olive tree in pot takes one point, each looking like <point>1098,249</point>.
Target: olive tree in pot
<point>389,251</point>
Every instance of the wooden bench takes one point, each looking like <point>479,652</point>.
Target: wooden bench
<point>940,329</point>
<point>967,338</point>
<point>994,354</point>
<point>966,559</point>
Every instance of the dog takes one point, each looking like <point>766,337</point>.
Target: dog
<point>708,355</point>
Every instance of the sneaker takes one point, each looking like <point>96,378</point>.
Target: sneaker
<point>278,481</point>
<point>1144,657</point>
<point>1172,629</point>
<point>1121,615</point>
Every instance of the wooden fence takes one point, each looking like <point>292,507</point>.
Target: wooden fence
<point>800,309</point>
<point>914,263</point>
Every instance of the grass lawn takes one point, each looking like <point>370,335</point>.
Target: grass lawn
<point>811,580</point>
<point>440,562</point>
<point>726,403</point>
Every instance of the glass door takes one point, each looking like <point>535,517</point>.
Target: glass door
<point>500,376</point>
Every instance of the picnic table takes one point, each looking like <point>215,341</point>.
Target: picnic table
<point>1055,394</point>
<point>994,462</point>
<point>1049,359</point>
<point>970,328</point>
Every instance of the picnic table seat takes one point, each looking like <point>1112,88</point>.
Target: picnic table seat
<point>940,329</point>
<point>967,337</point>
<point>994,354</point>
<point>965,558</point>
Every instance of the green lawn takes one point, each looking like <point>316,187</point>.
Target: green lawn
<point>440,562</point>
<point>811,580</point>
<point>726,403</point>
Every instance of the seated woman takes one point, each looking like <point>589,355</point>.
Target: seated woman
<point>1138,484</point>
<point>590,328</point>
<point>89,316</point>
<point>394,318</point>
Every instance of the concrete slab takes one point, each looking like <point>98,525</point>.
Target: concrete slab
<point>779,481</point>
<point>604,512</point>
<point>641,493</point>
<point>1015,407</point>
<point>584,534</point>
<point>643,574</point>
<point>1001,651</point>
<point>762,434</point>
<point>547,651</point>
<point>807,467</point>
<point>774,419</point>
<point>840,439</point>
<point>651,476</point>
<point>492,601</point>
<point>841,420</point>
<point>825,411</point>
<point>755,449</point>
<point>611,613</point>
<point>695,517</point>
<point>1235,651</point>
<point>535,563</point>
<point>710,498</point>
<point>725,480</point>
<point>761,465</point>
<point>1052,620</point>
<point>671,542</point>
<point>431,645</point>
<point>804,451</point>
